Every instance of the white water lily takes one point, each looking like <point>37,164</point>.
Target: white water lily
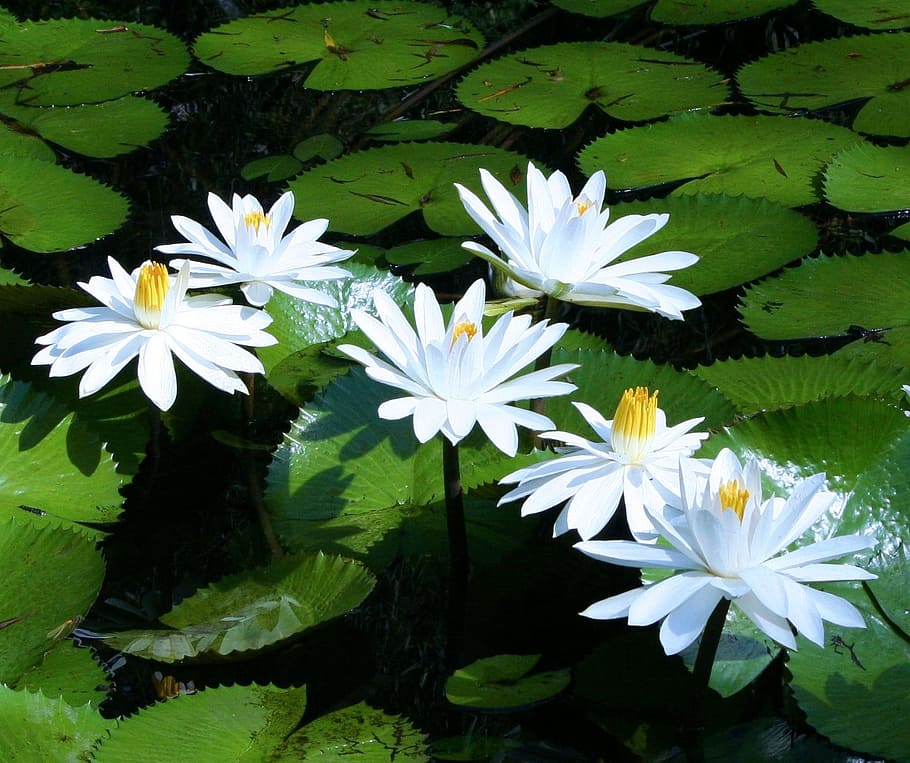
<point>637,459</point>
<point>729,544</point>
<point>147,314</point>
<point>255,252</point>
<point>562,245</point>
<point>455,376</point>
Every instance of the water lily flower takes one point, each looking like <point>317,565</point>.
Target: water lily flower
<point>455,376</point>
<point>562,245</point>
<point>147,314</point>
<point>637,458</point>
<point>255,252</point>
<point>728,544</point>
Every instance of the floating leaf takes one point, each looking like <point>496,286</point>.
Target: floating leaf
<point>94,129</point>
<point>820,74</point>
<point>15,142</point>
<point>272,168</point>
<point>502,683</point>
<point>860,295</point>
<point>51,575</point>
<point>67,671</point>
<point>218,725</point>
<point>359,730</point>
<point>773,157</point>
<point>597,8</point>
<point>902,231</point>
<point>768,383</point>
<point>365,192</point>
<point>736,239</point>
<point>551,86</point>
<point>410,129</point>
<point>254,609</point>
<point>34,727</point>
<point>323,146</point>
<point>739,660</point>
<point>691,12</point>
<point>10,278</point>
<point>43,446</point>
<point>360,45</point>
<point>881,15</point>
<point>869,179</point>
<point>64,62</point>
<point>438,255</point>
<point>47,208</point>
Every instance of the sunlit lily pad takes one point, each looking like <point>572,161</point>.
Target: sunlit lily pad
<point>43,446</point>
<point>219,725</point>
<point>772,157</point>
<point>870,179</point>
<point>864,296</point>
<point>365,192</point>
<point>62,62</point>
<point>51,576</point>
<point>251,610</point>
<point>504,682</point>
<point>712,11</point>
<point>768,383</point>
<point>821,74</point>
<point>360,732</point>
<point>15,142</point>
<point>67,671</point>
<point>882,14</point>
<point>597,8</point>
<point>35,727</point>
<point>94,129</point>
<point>736,239</point>
<point>552,85</point>
<point>359,45</point>
<point>47,208</point>
<point>410,129</point>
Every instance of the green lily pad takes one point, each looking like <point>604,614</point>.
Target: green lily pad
<point>15,142</point>
<point>759,156</point>
<point>363,193</point>
<point>34,727</point>
<point>739,660</point>
<point>47,208</point>
<point>323,146</point>
<point>682,12</point>
<point>360,45</point>
<point>359,730</point>
<point>769,383</point>
<point>298,324</point>
<point>439,255</point>
<point>44,446</point>
<point>67,671</point>
<point>902,232</point>
<point>65,62</point>
<point>503,683</point>
<point>51,576</point>
<point>272,168</point>
<point>402,130</point>
<point>855,689</point>
<point>597,8</point>
<point>821,74</point>
<point>736,239</point>
<point>11,278</point>
<point>880,15</point>
<point>252,610</point>
<point>869,179</point>
<point>93,129</point>
<point>551,86</point>
<point>826,296</point>
<point>218,725</point>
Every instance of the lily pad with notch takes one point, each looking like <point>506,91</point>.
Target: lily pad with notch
<point>819,75</point>
<point>551,86</point>
<point>759,156</point>
<point>869,178</point>
<point>356,44</point>
<point>504,683</point>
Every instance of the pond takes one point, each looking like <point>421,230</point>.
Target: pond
<point>325,534</point>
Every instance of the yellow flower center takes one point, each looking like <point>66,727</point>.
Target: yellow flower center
<point>151,288</point>
<point>634,422</point>
<point>733,497</point>
<point>256,219</point>
<point>583,203</point>
<point>464,327</point>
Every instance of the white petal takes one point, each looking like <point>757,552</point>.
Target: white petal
<point>614,606</point>
<point>661,598</point>
<point>156,372</point>
<point>627,553</point>
<point>684,624</point>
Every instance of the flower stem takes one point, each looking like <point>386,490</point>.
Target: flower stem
<point>458,553</point>
<point>707,650</point>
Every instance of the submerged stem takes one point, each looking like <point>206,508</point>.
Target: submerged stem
<point>458,553</point>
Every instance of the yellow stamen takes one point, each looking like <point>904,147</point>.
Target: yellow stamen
<point>733,497</point>
<point>634,422</point>
<point>151,288</point>
<point>584,204</point>
<point>464,327</point>
<point>255,219</point>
